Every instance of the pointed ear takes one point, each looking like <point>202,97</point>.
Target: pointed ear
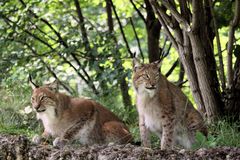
<point>53,86</point>
<point>158,63</point>
<point>136,64</point>
<point>33,85</point>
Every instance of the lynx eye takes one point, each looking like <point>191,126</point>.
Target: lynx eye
<point>146,76</point>
<point>43,98</point>
<point>157,73</point>
<point>32,98</point>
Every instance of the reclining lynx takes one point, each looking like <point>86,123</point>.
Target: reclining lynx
<point>66,118</point>
<point>164,109</point>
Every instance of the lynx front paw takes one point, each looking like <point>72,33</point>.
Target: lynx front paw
<point>37,139</point>
<point>60,143</point>
<point>146,145</point>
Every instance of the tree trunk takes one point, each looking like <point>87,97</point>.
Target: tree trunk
<point>204,79</point>
<point>124,92</point>
<point>206,35</point>
<point>187,61</point>
<point>82,26</point>
<point>180,75</point>
<point>219,50</point>
<point>233,25</point>
<point>153,34</point>
<point>232,95</point>
<point>211,68</point>
<point>183,46</point>
<point>126,98</point>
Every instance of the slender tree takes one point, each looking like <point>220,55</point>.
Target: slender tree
<point>194,44</point>
<point>122,77</point>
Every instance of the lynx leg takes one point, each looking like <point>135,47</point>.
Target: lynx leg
<point>144,132</point>
<point>191,137</point>
<point>116,132</point>
<point>168,133</point>
<point>86,122</point>
<point>37,139</point>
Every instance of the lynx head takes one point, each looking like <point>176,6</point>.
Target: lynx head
<point>44,98</point>
<point>146,76</point>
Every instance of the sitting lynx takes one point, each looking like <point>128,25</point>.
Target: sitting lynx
<point>66,118</point>
<point>164,109</point>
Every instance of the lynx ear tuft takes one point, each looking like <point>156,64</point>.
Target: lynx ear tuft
<point>53,86</point>
<point>158,63</point>
<point>136,64</point>
<point>33,85</point>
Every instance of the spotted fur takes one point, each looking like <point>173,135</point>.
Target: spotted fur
<point>164,109</point>
<point>66,118</point>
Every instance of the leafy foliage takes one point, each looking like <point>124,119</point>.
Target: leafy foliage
<point>39,36</point>
<point>221,8</point>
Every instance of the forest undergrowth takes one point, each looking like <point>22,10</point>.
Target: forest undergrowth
<point>18,118</point>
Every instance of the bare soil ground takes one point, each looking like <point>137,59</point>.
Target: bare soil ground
<point>20,148</point>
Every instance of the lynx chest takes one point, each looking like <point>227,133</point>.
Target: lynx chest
<point>150,109</point>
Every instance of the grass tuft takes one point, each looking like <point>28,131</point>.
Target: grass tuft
<point>222,133</point>
<point>13,118</point>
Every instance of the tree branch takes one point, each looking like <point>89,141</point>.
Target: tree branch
<point>60,39</point>
<point>181,74</point>
<point>29,33</point>
<point>138,41</point>
<point>236,19</point>
<point>126,98</point>
<point>82,27</point>
<point>185,10</point>
<point>87,81</point>
<point>172,68</point>
<point>121,29</point>
<point>62,42</point>
<point>165,52</point>
<point>156,6</point>
<point>153,27</point>
<point>195,19</point>
<point>180,19</point>
<point>164,44</point>
<point>138,11</point>
<point>34,52</point>
<point>149,10</point>
<point>167,19</point>
<point>40,30</point>
<point>221,65</point>
<point>233,26</point>
<point>109,15</point>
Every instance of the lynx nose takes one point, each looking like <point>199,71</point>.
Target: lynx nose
<point>152,86</point>
<point>36,107</point>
